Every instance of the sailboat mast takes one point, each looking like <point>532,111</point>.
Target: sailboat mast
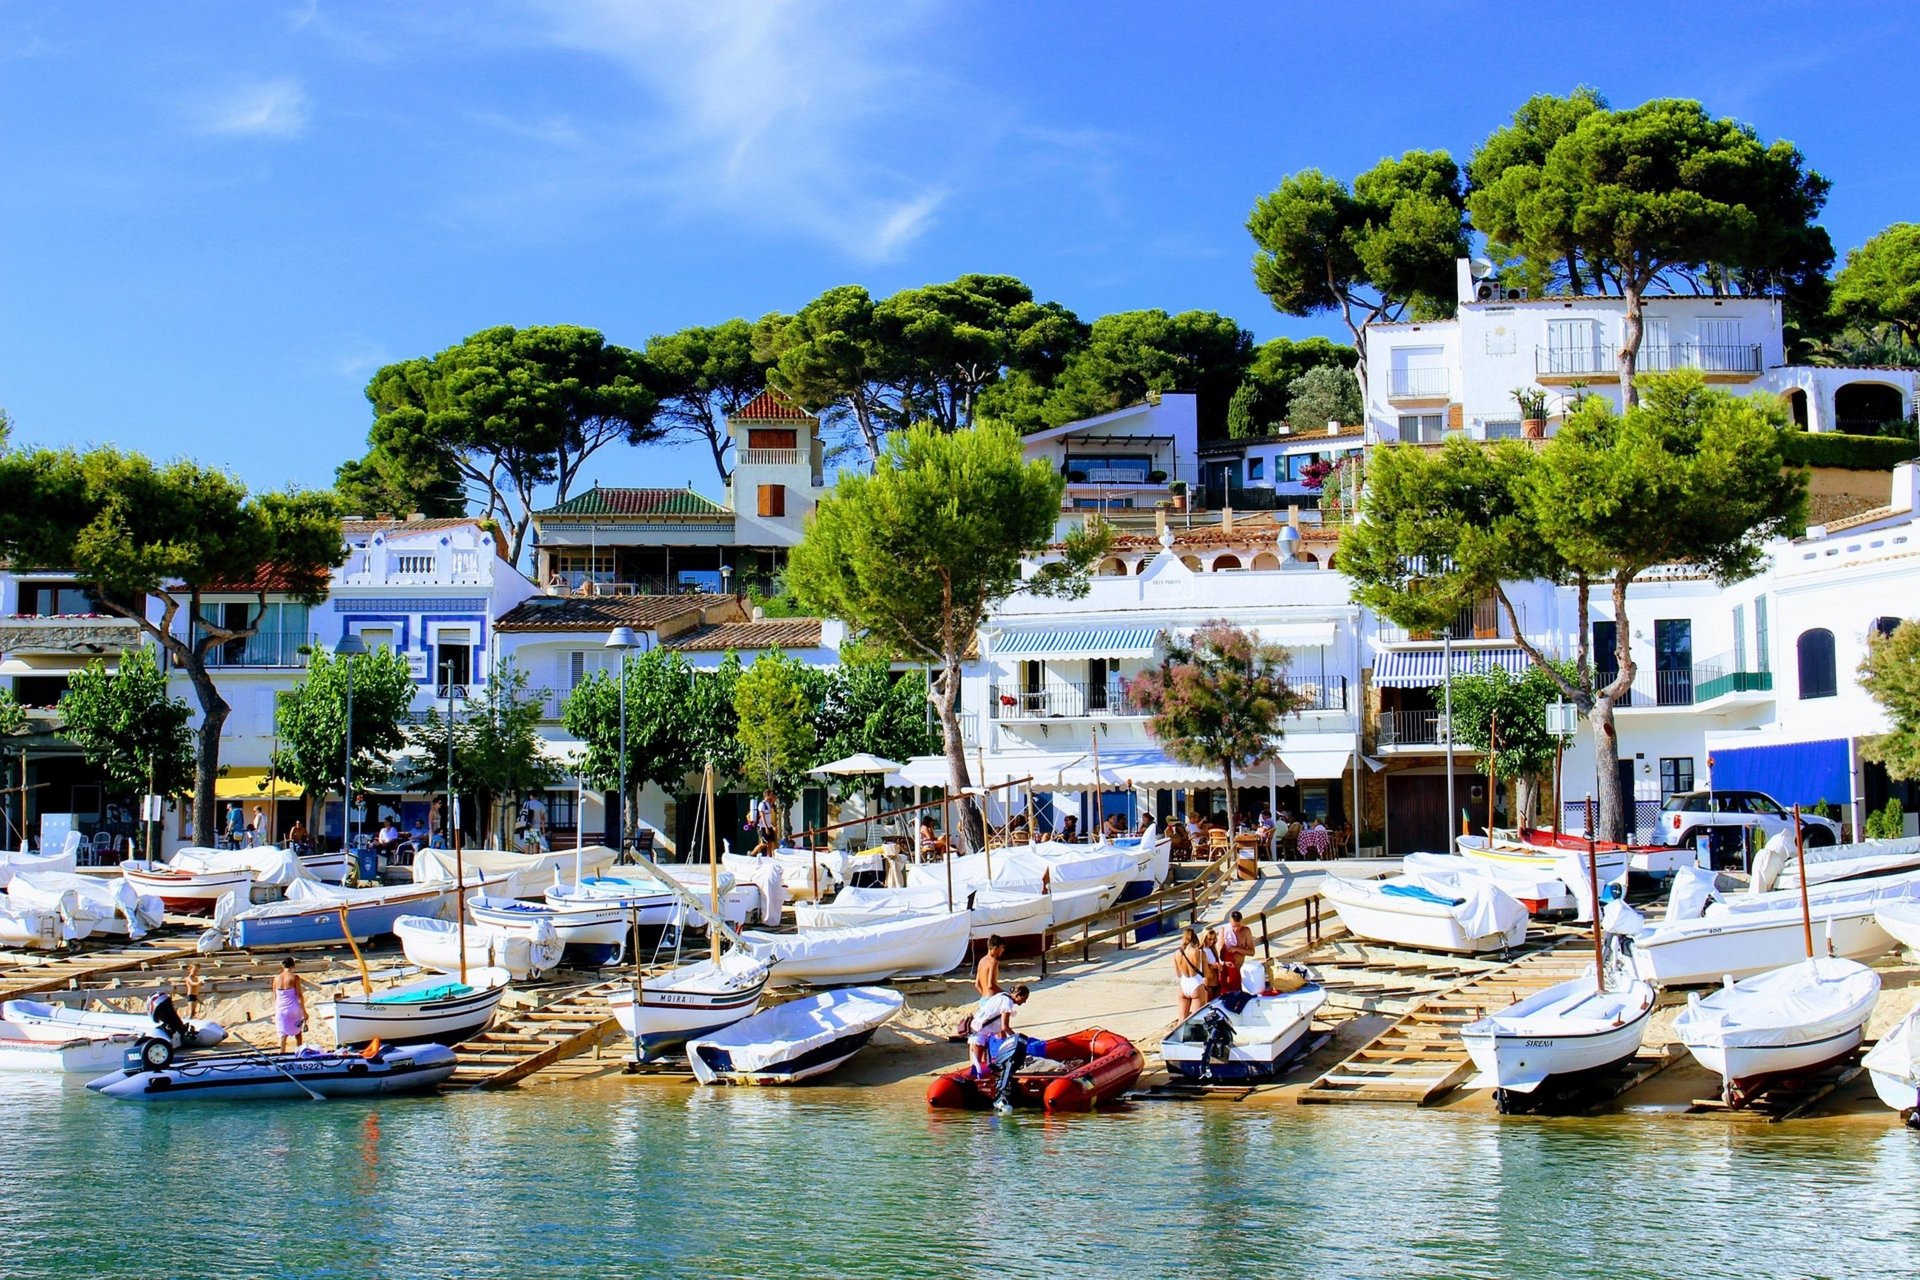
<point>713,865</point>
<point>1593,883</point>
<point>1800,855</point>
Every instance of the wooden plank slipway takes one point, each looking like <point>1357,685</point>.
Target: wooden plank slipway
<point>35,977</point>
<point>539,1039</point>
<point>1421,1057</point>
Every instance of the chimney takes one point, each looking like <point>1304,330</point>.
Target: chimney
<point>1333,426</point>
<point>415,517</point>
<point>1159,521</point>
<point>1293,514</point>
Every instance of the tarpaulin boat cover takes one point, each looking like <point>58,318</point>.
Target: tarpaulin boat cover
<point>527,874</point>
<point>792,1030</point>
<point>67,859</point>
<point>1812,1000</point>
<point>1481,907</point>
<point>1898,1053</point>
<point>270,865</point>
<point>87,900</point>
<point>764,874</point>
<point>1693,888</point>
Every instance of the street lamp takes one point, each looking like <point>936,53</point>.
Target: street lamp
<point>1563,720</point>
<point>350,647</point>
<point>726,573</point>
<point>624,640</point>
<point>1446,726</point>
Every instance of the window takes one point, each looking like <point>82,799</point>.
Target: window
<point>1417,373</point>
<point>771,438</point>
<point>453,658</point>
<point>1676,775</point>
<point>1605,664</point>
<point>1108,468</point>
<point>1673,661</point>
<point>1501,428</point>
<point>376,637</point>
<point>1817,676</point>
<point>773,500</point>
<point>1719,347</point>
<point>1256,468</point>
<point>52,599</point>
<point>1739,637</point>
<point>1762,646</point>
<point>1420,428</point>
<point>39,692</point>
<point>1884,627</point>
<point>1656,345</point>
<point>1573,346</point>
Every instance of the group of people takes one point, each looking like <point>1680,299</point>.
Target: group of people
<point>1215,963</point>
<point>244,832</point>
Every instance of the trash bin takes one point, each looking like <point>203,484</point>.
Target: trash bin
<point>366,864</point>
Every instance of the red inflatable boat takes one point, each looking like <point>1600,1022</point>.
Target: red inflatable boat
<point>1082,1070</point>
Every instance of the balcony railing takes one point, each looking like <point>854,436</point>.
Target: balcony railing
<point>1604,361</point>
<point>263,649</point>
<point>1704,681</point>
<point>769,457</point>
<point>1417,384</point>
<point>1062,700</point>
<point>1328,696</point>
<point>1483,620</point>
<point>1409,728</point>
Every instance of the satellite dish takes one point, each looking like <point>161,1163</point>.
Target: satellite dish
<point>1480,267</point>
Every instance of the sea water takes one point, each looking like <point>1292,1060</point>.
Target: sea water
<point>627,1179</point>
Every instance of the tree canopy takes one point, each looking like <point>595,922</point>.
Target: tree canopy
<point>1659,195</point>
<point>141,535</point>
<point>510,412</point>
<point>916,554</point>
<point>1891,674</point>
<point>1493,707</point>
<point>310,720</point>
<point>127,726</point>
<point>1497,177</point>
<point>1377,251</point>
<point>1880,284</point>
<point>1218,700</point>
<point>774,719</point>
<point>496,749</point>
<point>1265,394</point>
<point>1324,394</point>
<point>703,375</point>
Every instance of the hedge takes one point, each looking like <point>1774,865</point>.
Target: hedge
<point>1853,453</point>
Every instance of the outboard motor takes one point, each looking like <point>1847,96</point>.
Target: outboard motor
<point>167,1019</point>
<point>1219,1044</point>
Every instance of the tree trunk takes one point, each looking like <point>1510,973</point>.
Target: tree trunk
<point>1630,335</point>
<point>1526,800</point>
<point>206,748</point>
<point>946,698</point>
<point>1574,285</point>
<point>1614,803</point>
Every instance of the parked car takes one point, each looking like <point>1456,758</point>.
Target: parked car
<point>1726,817</point>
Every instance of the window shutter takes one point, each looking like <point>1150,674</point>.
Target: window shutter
<point>576,668</point>
<point>773,500</point>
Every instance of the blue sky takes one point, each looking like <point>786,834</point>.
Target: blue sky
<point>216,220</point>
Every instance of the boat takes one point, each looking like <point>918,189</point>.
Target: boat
<point>37,1019</point>
<point>310,914</point>
<point>692,1000</point>
<point>255,1074</point>
<point>433,943</point>
<point>813,874</point>
<point>1901,920</point>
<point>599,929</point>
<point>1153,861</point>
<point>510,874</point>
<point>1243,1037</point>
<point>427,1009</point>
<point>187,892</point>
<point>1571,1029</point>
<point>1744,937</point>
<point>87,905</point>
<point>763,882</point>
<point>66,861</point>
<point>1472,918</point>
<point>796,1041</point>
<point>1018,918</point>
<point>657,897</point>
<point>918,946</point>
<point>1614,860</point>
<point>1775,866</point>
<point>271,865</point>
<point>75,1055</point>
<point>1078,1072</point>
<point>1785,1023</point>
<point>1894,1065</point>
<point>33,927</point>
<point>1539,890</point>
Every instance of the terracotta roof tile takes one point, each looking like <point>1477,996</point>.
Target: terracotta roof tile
<point>599,501</point>
<point>268,578</point>
<point>770,406</point>
<point>769,633</point>
<point>361,526</point>
<point>603,613</point>
<point>1855,519</point>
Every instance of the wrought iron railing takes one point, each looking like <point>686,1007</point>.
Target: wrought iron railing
<point>263,649</point>
<point>1062,699</point>
<point>1603,360</point>
<point>1409,728</point>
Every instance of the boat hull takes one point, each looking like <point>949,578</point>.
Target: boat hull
<point>1100,1067</point>
<point>1401,925</point>
<point>190,893</point>
<point>87,1057</point>
<point>448,1013</point>
<point>1745,1070</point>
<point>715,1066</point>
<point>1522,1059</point>
<point>228,1077</point>
<point>1258,1052</point>
<point>39,1020</point>
<point>322,924</point>
<point>1741,944</point>
<point>791,1043</point>
<point>666,1019</point>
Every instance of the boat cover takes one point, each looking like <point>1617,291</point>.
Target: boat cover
<point>912,946</point>
<point>1898,1053</point>
<point>1812,1000</point>
<point>1776,865</point>
<point>1513,879</point>
<point>270,865</point>
<point>527,874</point>
<point>1421,893</point>
<point>1693,889</point>
<point>792,1030</point>
<point>1481,907</point>
<point>33,927</point>
<point>67,860</point>
<point>433,943</point>
<point>87,901</point>
<point>764,874</point>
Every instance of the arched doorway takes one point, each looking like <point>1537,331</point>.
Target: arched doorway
<point>1225,562</point>
<point>1266,560</point>
<point>1795,399</point>
<point>1113,567</point>
<point>1865,408</point>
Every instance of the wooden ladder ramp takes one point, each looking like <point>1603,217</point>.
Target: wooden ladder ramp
<point>551,1037</point>
<point>1420,1057</point>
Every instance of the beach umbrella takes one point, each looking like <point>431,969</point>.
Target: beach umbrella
<point>861,764</point>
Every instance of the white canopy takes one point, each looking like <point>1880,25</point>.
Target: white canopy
<point>863,762</point>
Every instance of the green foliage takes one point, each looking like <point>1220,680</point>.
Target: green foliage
<point>774,726</point>
<point>1275,364</point>
<point>1519,148</point>
<point>1888,823</point>
<point>1126,357</point>
<point>703,375</point>
<point>713,720</point>
<point>1321,395</point>
<point>509,411</point>
<point>127,726</point>
<point>1217,700</point>
<point>864,706</point>
<point>1242,424</point>
<point>1378,251</point>
<point>496,746</point>
<point>13,716</point>
<point>1533,402</point>
<point>399,475</point>
<point>1891,674</point>
<point>311,720</point>
<point>1852,453</point>
<point>1880,284</point>
<point>1825,809</point>
<point>661,735</point>
<point>1494,699</point>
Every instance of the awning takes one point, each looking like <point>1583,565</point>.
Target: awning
<point>1314,766</point>
<point>57,664</point>
<point>1426,668</point>
<point>1289,635</point>
<point>1803,773</point>
<point>254,783</point>
<point>1077,642</point>
<point>1065,771</point>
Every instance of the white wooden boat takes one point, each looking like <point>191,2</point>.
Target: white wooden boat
<point>1539,890</point>
<point>796,1041</point>
<point>1901,920</point>
<point>433,943</point>
<point>66,860</point>
<point>33,927</point>
<point>1786,1022</point>
<point>1471,919</point>
<point>88,905</point>
<point>1567,1030</point>
<point>189,892</point>
<point>660,900</point>
<point>78,1055</point>
<point>812,874</point>
<point>918,946</point>
<point>310,914</point>
<point>45,1020</point>
<point>435,1009</point>
<point>1543,859</point>
<point>512,875</point>
<point>599,926</point>
<point>1894,1065</point>
<point>763,881</point>
<point>1243,1037</point>
<point>693,1000</point>
<point>991,911</point>
<point>283,1077</point>
<point>1777,867</point>
<point>1741,938</point>
<point>270,864</point>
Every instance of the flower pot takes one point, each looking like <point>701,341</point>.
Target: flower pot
<point>1533,428</point>
<point>1179,502</point>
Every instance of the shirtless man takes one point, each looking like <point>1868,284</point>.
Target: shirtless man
<point>1236,947</point>
<point>986,975</point>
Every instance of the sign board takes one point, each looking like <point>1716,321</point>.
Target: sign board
<point>54,828</point>
<point>152,808</point>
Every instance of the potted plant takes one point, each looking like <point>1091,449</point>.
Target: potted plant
<point>1156,477</point>
<point>1077,476</point>
<point>1533,412</point>
<point>1179,491</point>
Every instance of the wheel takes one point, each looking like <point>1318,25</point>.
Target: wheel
<point>156,1054</point>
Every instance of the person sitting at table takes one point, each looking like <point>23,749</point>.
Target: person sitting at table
<point>1314,841</point>
<point>1070,829</point>
<point>296,836</point>
<point>1146,824</point>
<point>1113,828</point>
<point>931,841</point>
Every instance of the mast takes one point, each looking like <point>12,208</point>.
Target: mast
<point>1493,779</point>
<point>1099,798</point>
<point>946,821</point>
<point>1800,855</point>
<point>1593,883</point>
<point>713,865</point>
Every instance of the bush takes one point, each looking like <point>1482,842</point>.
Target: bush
<point>1888,824</point>
<point>1851,453</point>
<point>1824,810</point>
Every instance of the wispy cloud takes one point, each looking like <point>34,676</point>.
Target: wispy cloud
<point>261,108</point>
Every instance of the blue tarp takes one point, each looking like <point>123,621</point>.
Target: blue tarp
<point>1802,773</point>
<point>1423,895</point>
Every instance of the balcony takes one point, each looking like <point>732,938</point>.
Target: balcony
<point>1482,620</point>
<point>1737,361</point>
<point>262,649</point>
<point>78,633</point>
<point>1417,384</point>
<point>1719,679</point>
<point>1062,700</point>
<point>769,458</point>
<point>1317,696</point>
<point>1409,729</point>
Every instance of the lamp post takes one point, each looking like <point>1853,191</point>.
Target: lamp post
<point>1446,723</point>
<point>1563,719</point>
<point>350,647</point>
<point>624,640</point>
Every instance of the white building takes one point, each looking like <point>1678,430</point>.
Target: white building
<point>1125,459</point>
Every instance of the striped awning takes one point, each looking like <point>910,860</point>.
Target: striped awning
<point>1426,668</point>
<point>1077,642</point>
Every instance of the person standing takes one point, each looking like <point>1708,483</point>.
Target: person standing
<point>992,1021</point>
<point>761,819</point>
<point>236,824</point>
<point>1236,947</point>
<point>289,1006</point>
<point>986,975</point>
<point>1190,966</point>
<point>192,984</point>
<point>259,826</point>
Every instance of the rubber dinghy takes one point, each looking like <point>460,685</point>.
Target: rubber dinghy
<point>796,1041</point>
<point>918,946</point>
<point>86,1055</point>
<point>279,1076</point>
<point>693,1000</point>
<point>39,1020</point>
<point>435,1009</point>
<point>1243,1037</point>
<point>1080,1071</point>
<point>1570,1029</point>
<point>1788,1022</point>
<point>1894,1064</point>
<point>1471,917</point>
